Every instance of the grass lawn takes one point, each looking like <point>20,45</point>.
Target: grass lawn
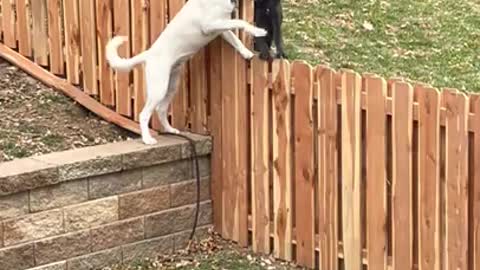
<point>432,41</point>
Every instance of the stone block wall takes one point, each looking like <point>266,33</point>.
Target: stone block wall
<point>92,207</point>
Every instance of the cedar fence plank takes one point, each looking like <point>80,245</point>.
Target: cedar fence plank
<point>402,172</point>
<point>351,171</point>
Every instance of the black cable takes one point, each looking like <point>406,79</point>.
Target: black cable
<point>194,159</point>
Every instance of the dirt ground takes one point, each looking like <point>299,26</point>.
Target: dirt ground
<point>35,119</point>
<point>208,254</point>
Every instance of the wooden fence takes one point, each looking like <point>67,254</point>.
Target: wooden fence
<point>342,170</point>
<point>326,168</point>
<point>68,38</point>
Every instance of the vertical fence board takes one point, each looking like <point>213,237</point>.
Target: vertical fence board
<point>376,174</point>
<point>327,167</point>
<point>180,101</point>
<point>456,179</point>
<point>8,20</point>
<point>475,181</point>
<point>40,36</point>
<point>229,110</point>
<point>1,22</point>
<point>123,94</point>
<point>247,15</point>
<point>304,174</point>
<point>242,140</point>
<point>402,172</point>
<point>139,45</point>
<point>55,36</point>
<point>429,178</point>
<point>215,128</point>
<point>351,170</point>
<point>282,158</point>
<point>260,180</point>
<point>72,40</point>
<point>198,93</point>
<point>23,28</point>
<point>158,21</point>
<point>104,33</point>
<point>88,45</point>
<point>240,232</point>
<point>158,18</point>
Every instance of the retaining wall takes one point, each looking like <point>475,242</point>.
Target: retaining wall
<point>102,205</point>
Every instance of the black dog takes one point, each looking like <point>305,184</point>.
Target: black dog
<point>269,16</point>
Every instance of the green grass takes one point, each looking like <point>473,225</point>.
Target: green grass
<point>432,41</point>
<point>52,140</point>
<point>11,149</point>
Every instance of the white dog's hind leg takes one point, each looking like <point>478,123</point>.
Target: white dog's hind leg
<point>233,40</point>
<point>144,119</point>
<point>157,78</point>
<point>162,107</point>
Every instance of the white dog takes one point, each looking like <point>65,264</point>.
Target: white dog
<point>196,24</point>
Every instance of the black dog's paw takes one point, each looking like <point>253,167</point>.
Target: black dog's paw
<point>281,55</point>
<point>265,56</point>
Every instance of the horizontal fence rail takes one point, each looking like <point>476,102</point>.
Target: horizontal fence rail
<point>330,169</point>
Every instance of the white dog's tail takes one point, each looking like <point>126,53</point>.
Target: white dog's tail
<point>118,63</point>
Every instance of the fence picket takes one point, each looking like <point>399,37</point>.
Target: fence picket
<point>402,172</point>
<point>72,46</point>
<point>242,134</point>
<point>1,22</point>
<point>429,177</point>
<point>40,36</point>
<point>229,84</point>
<point>475,185</point>
<point>23,28</point>
<point>55,37</point>
<point>376,89</point>
<point>327,167</point>
<point>88,46</point>
<point>180,101</point>
<point>8,17</point>
<point>456,172</point>
<point>104,24</point>
<point>215,127</point>
<point>140,36</point>
<point>158,21</point>
<point>282,160</point>
<point>259,150</point>
<point>198,93</point>
<point>304,174</point>
<point>351,170</point>
<point>123,94</point>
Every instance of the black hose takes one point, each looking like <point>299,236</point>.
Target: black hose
<point>194,159</point>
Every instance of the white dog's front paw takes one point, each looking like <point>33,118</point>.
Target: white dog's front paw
<point>149,140</point>
<point>257,32</point>
<point>247,54</point>
<point>173,130</point>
